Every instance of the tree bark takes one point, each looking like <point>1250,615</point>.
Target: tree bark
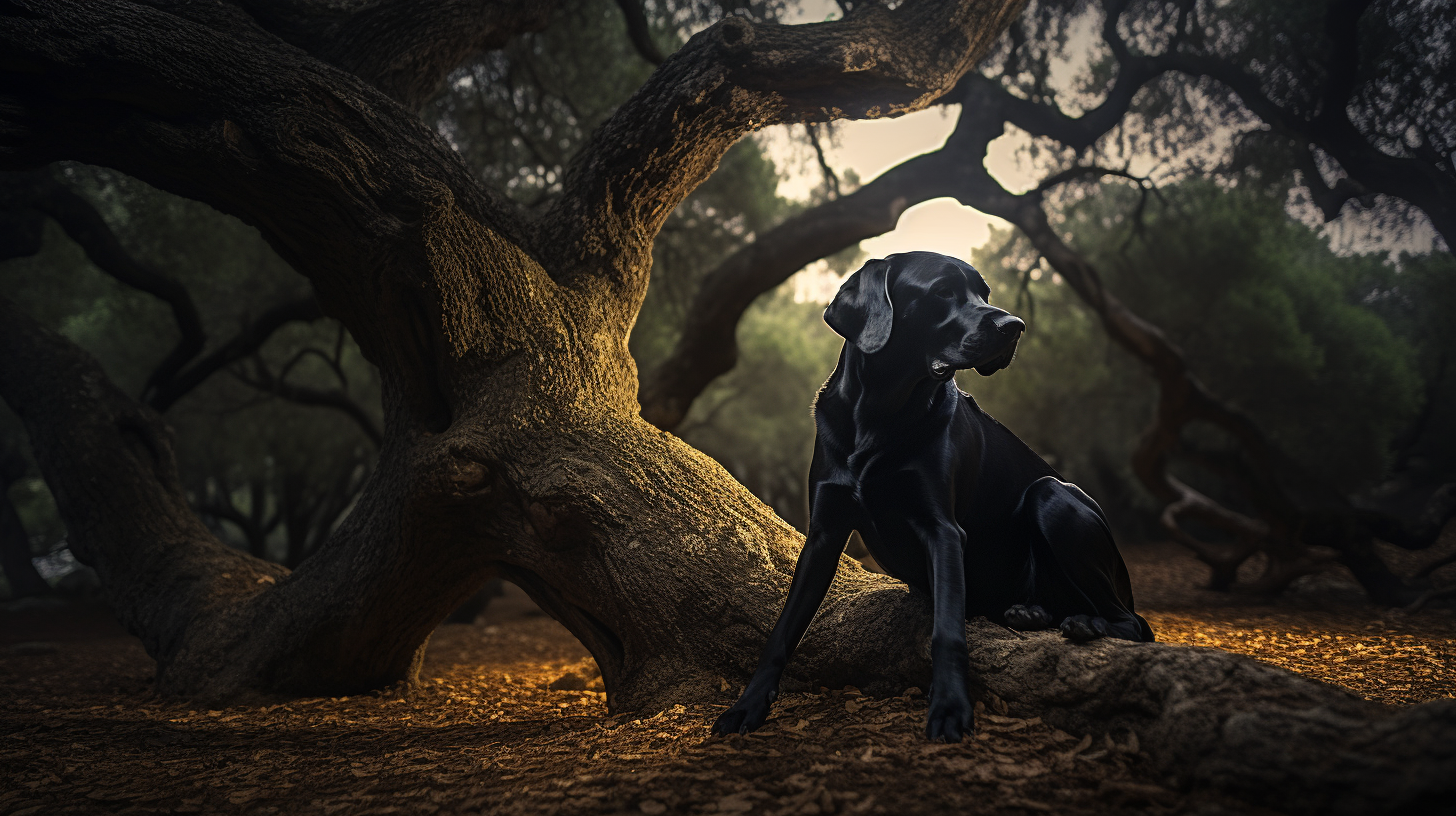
<point>1212,720</point>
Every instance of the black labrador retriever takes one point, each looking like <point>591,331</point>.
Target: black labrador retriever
<point>946,498</point>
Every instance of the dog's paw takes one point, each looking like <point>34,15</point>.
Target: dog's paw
<point>1027,618</point>
<point>746,715</point>
<point>1082,628</point>
<point>950,719</point>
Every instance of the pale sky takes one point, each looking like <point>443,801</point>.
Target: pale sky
<point>869,148</point>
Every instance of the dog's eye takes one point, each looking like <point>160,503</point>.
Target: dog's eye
<point>943,292</point>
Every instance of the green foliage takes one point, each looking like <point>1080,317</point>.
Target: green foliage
<point>1070,394</point>
<point>1417,297</point>
<point>519,115</point>
<point>1267,315</point>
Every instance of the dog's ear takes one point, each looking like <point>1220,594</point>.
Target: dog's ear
<point>1000,362</point>
<point>861,311</point>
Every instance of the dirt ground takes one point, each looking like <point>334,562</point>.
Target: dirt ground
<point>81,732</point>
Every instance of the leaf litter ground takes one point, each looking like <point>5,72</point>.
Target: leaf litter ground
<point>81,732</point>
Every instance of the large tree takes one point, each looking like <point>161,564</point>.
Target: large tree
<point>512,442</point>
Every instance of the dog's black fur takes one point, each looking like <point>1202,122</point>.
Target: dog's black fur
<point>946,498</point>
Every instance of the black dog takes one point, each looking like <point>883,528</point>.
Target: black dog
<point>946,499</point>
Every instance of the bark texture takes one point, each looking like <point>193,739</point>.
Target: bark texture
<point>1214,720</point>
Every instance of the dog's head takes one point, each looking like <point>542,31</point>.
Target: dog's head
<point>929,309</point>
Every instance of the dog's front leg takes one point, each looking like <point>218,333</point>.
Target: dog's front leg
<point>950,715</point>
<point>829,528</point>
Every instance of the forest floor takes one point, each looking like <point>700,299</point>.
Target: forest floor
<point>81,731</point>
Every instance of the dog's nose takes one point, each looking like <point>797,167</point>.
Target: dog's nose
<point>1008,324</point>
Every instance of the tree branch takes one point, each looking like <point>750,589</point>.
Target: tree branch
<point>708,348</point>
<point>639,32</point>
<point>84,225</point>
<point>1410,179</point>
<point>831,179</point>
<point>1329,199</point>
<point>736,77</point>
<point>342,181</point>
<point>242,345</point>
<point>1369,169</point>
<point>1342,66</point>
<point>1288,493</point>
<point>260,377</point>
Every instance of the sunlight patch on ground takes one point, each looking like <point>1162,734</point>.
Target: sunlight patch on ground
<point>1410,664</point>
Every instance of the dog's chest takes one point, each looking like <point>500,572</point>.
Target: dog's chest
<point>879,464</point>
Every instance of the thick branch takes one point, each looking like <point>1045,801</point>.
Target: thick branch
<point>1214,720</point>
<point>342,181</point>
<point>737,77</point>
<point>1342,63</point>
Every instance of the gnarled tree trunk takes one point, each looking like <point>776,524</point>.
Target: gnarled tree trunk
<point>512,443</point>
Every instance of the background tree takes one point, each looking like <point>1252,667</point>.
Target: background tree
<point>115,267</point>
<point>1137,106</point>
